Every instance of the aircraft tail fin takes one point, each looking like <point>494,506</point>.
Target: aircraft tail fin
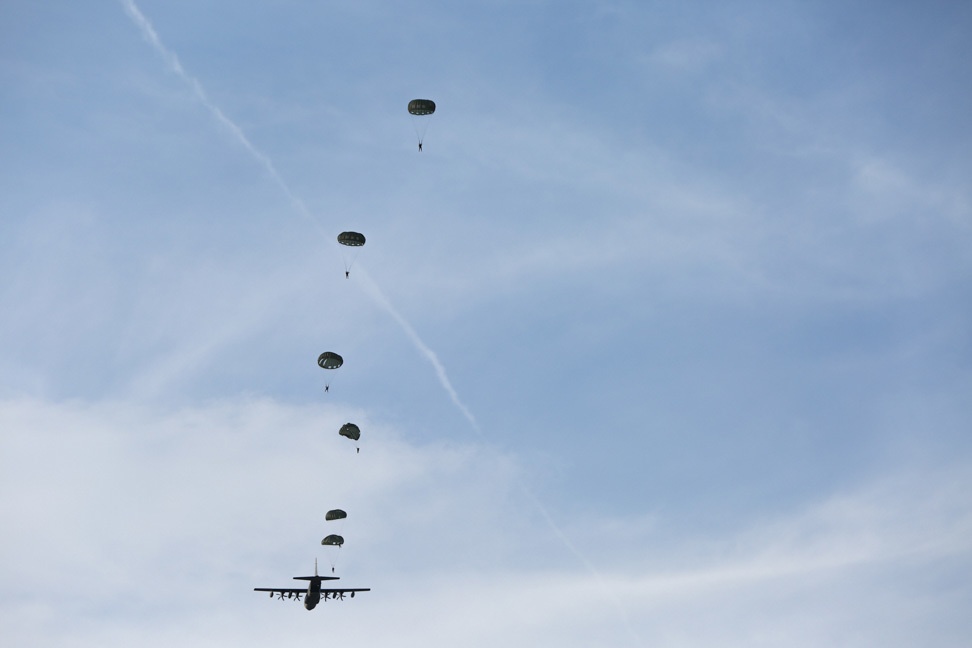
<point>316,576</point>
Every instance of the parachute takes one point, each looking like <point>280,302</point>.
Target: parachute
<point>420,109</point>
<point>351,431</point>
<point>335,514</point>
<point>333,540</point>
<point>351,239</point>
<point>329,360</point>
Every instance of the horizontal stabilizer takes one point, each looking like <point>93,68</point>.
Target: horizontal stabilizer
<point>323,578</point>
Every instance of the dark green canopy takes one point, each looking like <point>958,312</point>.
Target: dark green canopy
<point>335,514</point>
<point>334,540</point>
<point>351,431</point>
<point>351,239</point>
<point>421,106</point>
<point>329,360</point>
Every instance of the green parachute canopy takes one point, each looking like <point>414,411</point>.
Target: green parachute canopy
<point>421,107</point>
<point>351,239</point>
<point>351,431</point>
<point>335,514</point>
<point>333,540</point>
<point>329,360</point>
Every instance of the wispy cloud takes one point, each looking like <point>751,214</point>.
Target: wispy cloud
<point>152,502</point>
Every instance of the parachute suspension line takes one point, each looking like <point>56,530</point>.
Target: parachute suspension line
<point>421,124</point>
<point>419,133</point>
<point>348,257</point>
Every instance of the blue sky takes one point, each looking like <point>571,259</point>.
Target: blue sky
<point>664,339</point>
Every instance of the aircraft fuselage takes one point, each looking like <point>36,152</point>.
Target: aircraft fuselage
<point>313,596</point>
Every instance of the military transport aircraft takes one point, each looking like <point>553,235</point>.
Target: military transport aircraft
<point>313,594</point>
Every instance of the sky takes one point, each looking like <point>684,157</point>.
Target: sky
<point>664,339</point>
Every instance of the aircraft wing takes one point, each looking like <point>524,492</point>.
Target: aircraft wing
<point>287,592</point>
<point>282,592</point>
<point>339,593</point>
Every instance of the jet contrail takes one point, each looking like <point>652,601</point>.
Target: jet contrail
<point>148,32</point>
<point>379,297</point>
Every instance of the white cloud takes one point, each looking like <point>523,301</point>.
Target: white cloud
<point>127,520</point>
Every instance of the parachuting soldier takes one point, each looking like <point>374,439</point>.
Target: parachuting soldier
<point>351,431</point>
<point>421,108</point>
<point>352,240</point>
<point>329,360</point>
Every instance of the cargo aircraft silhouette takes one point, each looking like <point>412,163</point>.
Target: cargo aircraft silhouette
<point>313,594</point>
